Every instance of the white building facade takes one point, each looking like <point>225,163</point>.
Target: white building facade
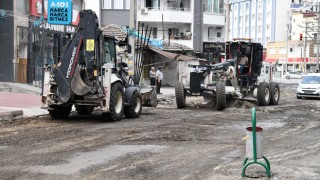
<point>262,20</point>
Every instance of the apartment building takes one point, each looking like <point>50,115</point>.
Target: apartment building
<point>262,20</point>
<point>180,21</point>
<point>299,51</point>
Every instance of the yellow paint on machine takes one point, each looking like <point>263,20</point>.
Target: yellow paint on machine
<point>90,45</point>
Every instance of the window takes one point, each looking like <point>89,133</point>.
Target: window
<point>260,17</point>
<point>272,51</point>
<point>106,4</point>
<point>268,39</point>
<point>253,16</point>
<point>118,4</point>
<point>268,27</point>
<point>154,32</point>
<point>128,4</point>
<point>247,30</point>
<point>259,29</point>
<point>218,34</point>
<point>282,50</point>
<point>291,49</point>
<point>269,15</point>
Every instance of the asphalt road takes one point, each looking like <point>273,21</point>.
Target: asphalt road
<point>166,143</point>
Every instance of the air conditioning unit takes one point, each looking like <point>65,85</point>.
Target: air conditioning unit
<point>144,10</point>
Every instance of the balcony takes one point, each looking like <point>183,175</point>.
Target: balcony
<point>169,14</point>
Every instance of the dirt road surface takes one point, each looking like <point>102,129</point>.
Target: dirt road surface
<point>166,143</point>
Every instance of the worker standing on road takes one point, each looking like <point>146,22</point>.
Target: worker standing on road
<point>152,75</point>
<point>159,77</point>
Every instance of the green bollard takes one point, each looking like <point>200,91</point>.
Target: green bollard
<point>245,164</point>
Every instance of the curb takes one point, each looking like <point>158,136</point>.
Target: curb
<point>10,114</point>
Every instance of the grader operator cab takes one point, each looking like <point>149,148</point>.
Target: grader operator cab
<point>242,75</point>
<point>88,76</point>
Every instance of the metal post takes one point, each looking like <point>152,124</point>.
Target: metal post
<point>317,70</point>
<point>42,50</point>
<point>305,48</point>
<point>286,69</point>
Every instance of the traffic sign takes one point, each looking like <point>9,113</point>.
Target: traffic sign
<point>59,11</point>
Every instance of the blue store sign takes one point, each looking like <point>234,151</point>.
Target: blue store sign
<point>59,11</point>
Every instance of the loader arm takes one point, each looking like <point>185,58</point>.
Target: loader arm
<point>80,54</point>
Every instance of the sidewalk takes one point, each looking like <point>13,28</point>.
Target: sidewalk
<point>21,100</point>
<point>25,100</point>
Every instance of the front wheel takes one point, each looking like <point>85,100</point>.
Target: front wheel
<point>275,93</point>
<point>116,102</point>
<point>135,108</point>
<point>263,96</point>
<point>221,99</point>
<point>180,95</point>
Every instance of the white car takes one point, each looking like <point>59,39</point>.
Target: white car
<point>293,75</point>
<point>309,86</point>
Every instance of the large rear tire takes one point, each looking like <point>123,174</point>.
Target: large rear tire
<point>221,98</point>
<point>135,108</point>
<point>60,112</point>
<point>263,95</point>
<point>275,93</point>
<point>116,102</point>
<point>84,110</point>
<point>180,95</point>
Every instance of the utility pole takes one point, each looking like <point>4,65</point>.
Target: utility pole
<point>305,48</point>
<point>42,50</point>
<point>227,14</point>
<point>286,69</point>
<point>318,68</point>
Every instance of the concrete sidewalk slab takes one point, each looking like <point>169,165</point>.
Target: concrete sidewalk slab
<point>8,114</point>
<point>14,104</point>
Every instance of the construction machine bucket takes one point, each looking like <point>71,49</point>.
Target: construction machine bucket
<point>149,96</point>
<point>77,84</point>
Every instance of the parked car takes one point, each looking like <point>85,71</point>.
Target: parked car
<point>309,86</point>
<point>293,75</point>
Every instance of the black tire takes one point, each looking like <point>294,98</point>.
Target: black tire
<point>84,110</point>
<point>299,97</point>
<point>288,77</point>
<point>221,97</point>
<point>60,112</point>
<point>135,108</point>
<point>275,93</point>
<point>180,95</point>
<point>264,94</point>
<point>116,102</point>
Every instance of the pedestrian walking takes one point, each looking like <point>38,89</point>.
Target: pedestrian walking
<point>159,77</point>
<point>152,75</point>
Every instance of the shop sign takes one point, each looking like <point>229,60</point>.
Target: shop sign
<point>59,11</point>
<point>60,28</point>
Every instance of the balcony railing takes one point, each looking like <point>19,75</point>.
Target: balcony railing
<point>168,9</point>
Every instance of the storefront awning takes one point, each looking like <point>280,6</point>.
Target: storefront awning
<point>173,56</point>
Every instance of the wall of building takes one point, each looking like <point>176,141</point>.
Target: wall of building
<point>108,17</point>
<point>7,41</point>
<point>282,10</point>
